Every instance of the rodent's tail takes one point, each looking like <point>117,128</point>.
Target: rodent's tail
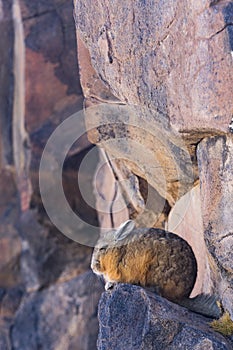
<point>204,304</point>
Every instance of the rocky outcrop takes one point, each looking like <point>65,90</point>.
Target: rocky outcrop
<point>47,297</point>
<point>10,242</point>
<point>50,257</point>
<point>173,68</point>
<point>164,71</point>
<point>185,219</point>
<point>170,67</point>
<point>216,175</point>
<point>174,58</point>
<point>6,64</point>
<point>51,63</point>
<point>60,317</point>
<point>131,318</point>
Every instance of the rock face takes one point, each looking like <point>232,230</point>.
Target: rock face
<point>51,63</point>
<point>50,257</point>
<point>47,297</point>
<point>170,63</point>
<point>60,317</point>
<point>173,61</point>
<point>185,220</point>
<point>215,174</point>
<point>177,65</point>
<point>6,64</point>
<point>132,319</point>
<point>173,57</point>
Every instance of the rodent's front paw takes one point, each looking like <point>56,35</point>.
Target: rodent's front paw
<point>109,285</point>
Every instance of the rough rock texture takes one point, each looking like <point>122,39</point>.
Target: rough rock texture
<point>53,90</point>
<point>185,219</point>
<point>6,65</point>
<point>131,318</point>
<point>93,88</point>
<point>61,317</point>
<point>42,273</point>
<point>173,56</point>
<point>146,139</point>
<point>170,64</point>
<point>215,157</point>
<point>176,61</point>
<point>148,145</point>
<point>11,282</point>
<point>49,257</point>
<point>195,58</point>
<point>106,193</point>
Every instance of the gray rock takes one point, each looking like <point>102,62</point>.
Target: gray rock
<point>10,299</point>
<point>49,257</point>
<point>60,317</point>
<point>4,339</point>
<point>6,80</point>
<point>35,256</point>
<point>175,58</point>
<point>216,176</point>
<point>171,56</point>
<point>133,319</point>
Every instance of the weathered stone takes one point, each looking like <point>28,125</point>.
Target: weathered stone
<point>216,172</point>
<point>52,85</point>
<point>51,64</point>
<point>53,91</point>
<point>174,57</point>
<point>40,89</point>
<point>146,143</point>
<point>120,194</point>
<point>35,9</point>
<point>10,248</point>
<point>216,175</point>
<point>9,203</point>
<point>110,204</point>
<point>6,80</point>
<point>49,257</point>
<point>94,89</point>
<point>185,219</point>
<point>4,338</point>
<point>11,289</point>
<point>131,318</point>
<point>162,175</point>
<point>10,243</point>
<point>9,303</point>
<point>61,317</point>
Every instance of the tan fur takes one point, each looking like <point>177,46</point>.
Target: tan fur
<point>152,258</point>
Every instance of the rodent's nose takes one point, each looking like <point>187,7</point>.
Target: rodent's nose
<point>95,265</point>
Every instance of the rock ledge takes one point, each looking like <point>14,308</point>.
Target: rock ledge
<point>131,318</point>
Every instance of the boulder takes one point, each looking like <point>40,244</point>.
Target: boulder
<point>173,57</point>
<point>173,69</point>
<point>170,64</point>
<point>131,318</point>
<point>40,88</point>
<point>216,176</point>
<point>185,219</point>
<point>60,317</point>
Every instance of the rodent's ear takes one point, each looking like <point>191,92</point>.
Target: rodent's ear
<point>124,230</point>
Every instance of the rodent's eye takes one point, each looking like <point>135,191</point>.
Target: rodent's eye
<point>103,248</point>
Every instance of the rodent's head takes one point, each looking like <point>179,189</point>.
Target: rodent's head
<point>106,243</point>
